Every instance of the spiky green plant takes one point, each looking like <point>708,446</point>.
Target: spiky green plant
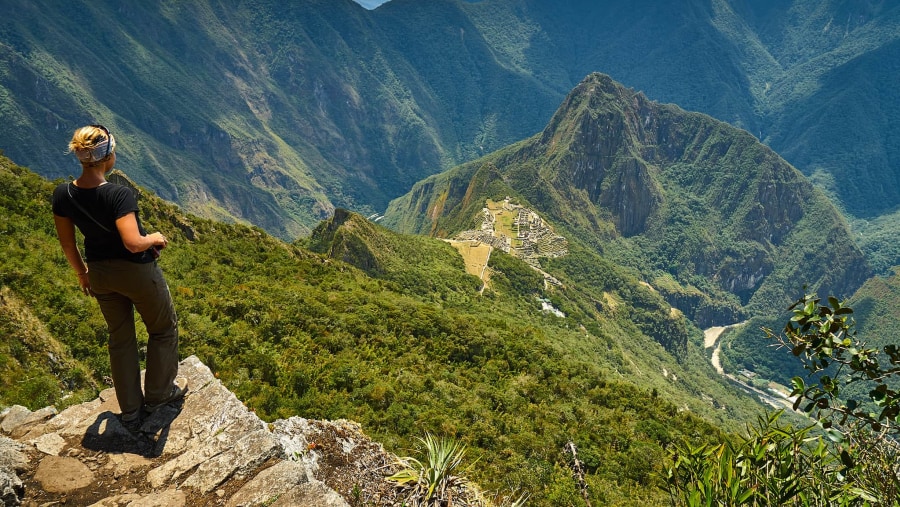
<point>434,482</point>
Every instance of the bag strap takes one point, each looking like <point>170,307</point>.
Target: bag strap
<point>82,210</point>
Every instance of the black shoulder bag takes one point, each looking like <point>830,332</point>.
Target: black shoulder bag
<point>84,211</point>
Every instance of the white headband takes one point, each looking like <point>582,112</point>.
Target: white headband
<point>99,152</point>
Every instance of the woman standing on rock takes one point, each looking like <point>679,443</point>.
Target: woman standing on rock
<point>121,272</point>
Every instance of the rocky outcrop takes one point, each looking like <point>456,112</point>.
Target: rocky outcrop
<point>209,449</point>
<point>12,462</point>
<point>330,238</point>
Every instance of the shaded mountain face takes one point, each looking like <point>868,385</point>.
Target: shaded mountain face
<point>236,111</point>
<point>277,113</point>
<point>264,112</point>
<point>713,219</point>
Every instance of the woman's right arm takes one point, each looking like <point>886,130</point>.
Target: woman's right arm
<point>65,231</point>
<point>131,235</point>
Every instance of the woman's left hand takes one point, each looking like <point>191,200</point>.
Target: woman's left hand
<point>85,282</point>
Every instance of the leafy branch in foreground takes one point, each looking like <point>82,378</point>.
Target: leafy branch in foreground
<point>855,461</point>
<point>773,465</point>
<point>822,336</point>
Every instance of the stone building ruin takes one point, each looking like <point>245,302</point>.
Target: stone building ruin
<point>528,237</point>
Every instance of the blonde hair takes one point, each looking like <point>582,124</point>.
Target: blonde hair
<point>92,144</point>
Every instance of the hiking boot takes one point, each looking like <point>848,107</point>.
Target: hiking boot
<point>131,421</point>
<point>179,388</point>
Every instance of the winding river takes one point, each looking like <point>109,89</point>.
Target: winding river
<point>711,340</point>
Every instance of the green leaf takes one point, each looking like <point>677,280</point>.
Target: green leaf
<point>847,460</point>
<point>834,435</point>
<point>810,308</point>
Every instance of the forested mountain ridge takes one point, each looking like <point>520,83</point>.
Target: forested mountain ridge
<point>411,348</point>
<point>276,113</point>
<point>714,220</point>
<point>262,111</point>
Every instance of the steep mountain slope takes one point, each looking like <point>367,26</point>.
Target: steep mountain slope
<point>795,74</point>
<point>411,347</point>
<point>857,164</point>
<point>223,108</point>
<point>879,241</point>
<point>713,219</point>
<point>262,111</point>
<point>874,307</point>
<point>276,113</point>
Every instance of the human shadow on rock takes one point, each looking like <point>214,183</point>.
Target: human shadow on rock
<point>107,434</point>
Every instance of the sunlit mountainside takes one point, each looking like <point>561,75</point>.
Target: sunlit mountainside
<point>388,330</point>
<point>527,226</point>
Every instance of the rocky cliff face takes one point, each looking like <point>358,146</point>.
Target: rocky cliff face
<point>627,153</point>
<point>208,449</point>
<point>595,144</point>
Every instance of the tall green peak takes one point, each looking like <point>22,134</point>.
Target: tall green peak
<point>705,213</point>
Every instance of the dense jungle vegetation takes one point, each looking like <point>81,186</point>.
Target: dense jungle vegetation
<point>293,332</point>
<point>387,329</point>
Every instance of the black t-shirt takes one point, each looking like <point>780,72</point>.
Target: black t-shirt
<point>106,204</point>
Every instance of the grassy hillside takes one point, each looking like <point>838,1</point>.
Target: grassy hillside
<point>292,332</point>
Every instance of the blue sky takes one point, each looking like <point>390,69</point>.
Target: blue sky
<point>370,4</point>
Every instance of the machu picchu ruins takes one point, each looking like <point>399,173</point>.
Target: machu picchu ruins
<point>518,231</point>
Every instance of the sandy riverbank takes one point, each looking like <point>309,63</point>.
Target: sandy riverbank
<point>711,339</point>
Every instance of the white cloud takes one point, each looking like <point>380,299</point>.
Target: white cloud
<point>371,4</point>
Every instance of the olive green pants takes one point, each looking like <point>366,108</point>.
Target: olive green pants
<point>121,287</point>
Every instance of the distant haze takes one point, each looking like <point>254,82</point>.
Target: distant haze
<point>370,4</point>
